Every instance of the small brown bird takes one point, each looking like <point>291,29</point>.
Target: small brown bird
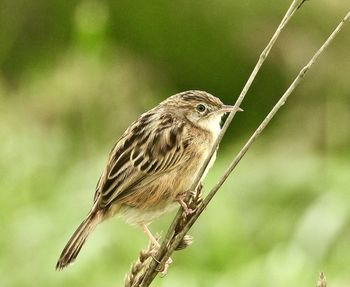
<point>153,165</point>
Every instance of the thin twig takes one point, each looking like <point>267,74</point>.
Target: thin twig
<point>302,2</point>
<point>171,231</point>
<point>151,273</point>
<point>257,132</point>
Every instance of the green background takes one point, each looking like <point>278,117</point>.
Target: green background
<point>75,74</point>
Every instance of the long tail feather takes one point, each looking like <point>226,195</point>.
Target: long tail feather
<point>72,248</point>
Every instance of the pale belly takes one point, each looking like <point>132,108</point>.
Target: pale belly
<point>135,216</point>
<point>160,198</point>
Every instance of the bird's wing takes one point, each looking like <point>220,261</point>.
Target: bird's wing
<point>152,145</point>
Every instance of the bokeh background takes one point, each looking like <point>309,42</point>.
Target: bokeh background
<point>75,74</point>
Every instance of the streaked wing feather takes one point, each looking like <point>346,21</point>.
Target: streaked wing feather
<point>150,146</point>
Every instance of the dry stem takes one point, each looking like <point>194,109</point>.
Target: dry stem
<point>172,238</point>
<point>257,132</point>
<point>151,272</point>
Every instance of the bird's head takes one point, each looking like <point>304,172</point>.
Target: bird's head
<point>200,108</point>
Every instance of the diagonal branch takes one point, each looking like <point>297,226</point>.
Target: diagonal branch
<point>149,276</point>
<point>261,127</point>
<point>290,12</point>
<point>171,231</point>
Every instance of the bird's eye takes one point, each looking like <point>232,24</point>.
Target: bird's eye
<point>201,108</point>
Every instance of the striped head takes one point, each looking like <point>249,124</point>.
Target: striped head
<point>200,108</point>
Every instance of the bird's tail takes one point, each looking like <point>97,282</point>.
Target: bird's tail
<point>72,248</point>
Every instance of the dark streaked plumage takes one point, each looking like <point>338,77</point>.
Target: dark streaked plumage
<point>155,160</point>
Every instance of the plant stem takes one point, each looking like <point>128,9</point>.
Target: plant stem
<point>257,132</point>
<point>151,272</point>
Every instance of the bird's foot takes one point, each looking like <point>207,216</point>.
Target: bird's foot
<point>180,198</point>
<point>163,267</point>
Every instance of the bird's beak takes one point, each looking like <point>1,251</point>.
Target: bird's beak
<point>228,109</point>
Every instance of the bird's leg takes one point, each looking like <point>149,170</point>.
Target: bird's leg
<point>163,268</point>
<point>150,235</point>
<point>180,199</point>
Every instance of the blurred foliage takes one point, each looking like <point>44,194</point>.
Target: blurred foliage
<point>74,74</point>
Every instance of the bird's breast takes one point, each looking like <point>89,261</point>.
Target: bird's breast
<point>158,197</point>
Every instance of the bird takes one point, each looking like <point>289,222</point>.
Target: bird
<point>151,168</point>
